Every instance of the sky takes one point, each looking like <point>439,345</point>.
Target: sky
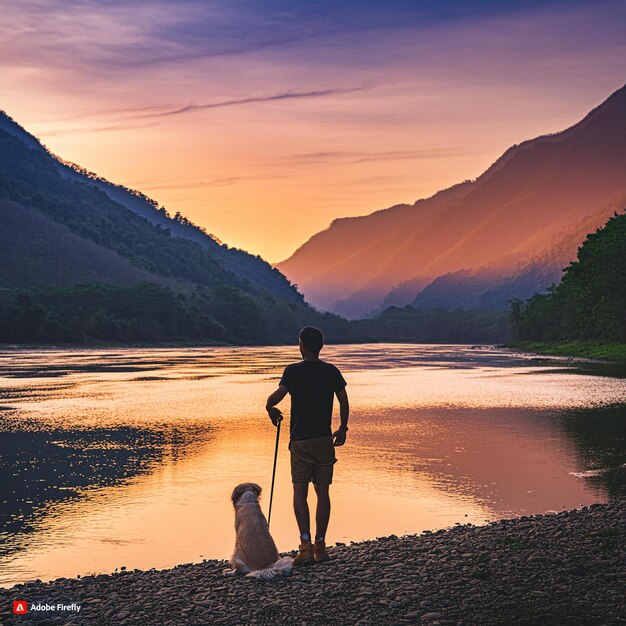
<point>264,121</point>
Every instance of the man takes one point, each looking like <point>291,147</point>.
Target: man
<point>312,384</point>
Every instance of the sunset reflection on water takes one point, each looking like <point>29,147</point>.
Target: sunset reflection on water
<point>127,457</point>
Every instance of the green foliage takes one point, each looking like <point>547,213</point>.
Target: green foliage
<point>148,312</point>
<point>590,301</point>
<point>93,311</point>
<point>606,350</point>
<point>437,326</point>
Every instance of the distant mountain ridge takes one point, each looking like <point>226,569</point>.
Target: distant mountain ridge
<point>481,242</point>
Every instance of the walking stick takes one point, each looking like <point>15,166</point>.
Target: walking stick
<point>269,515</point>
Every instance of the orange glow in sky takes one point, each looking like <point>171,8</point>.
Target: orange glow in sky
<point>264,125</point>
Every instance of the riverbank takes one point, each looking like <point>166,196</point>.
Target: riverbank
<point>615,352</point>
<point>561,569</point>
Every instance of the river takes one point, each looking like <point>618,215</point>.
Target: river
<point>126,457</point>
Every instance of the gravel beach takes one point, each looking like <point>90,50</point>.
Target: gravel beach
<point>567,568</point>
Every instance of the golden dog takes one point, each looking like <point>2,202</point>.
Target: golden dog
<point>255,552</point>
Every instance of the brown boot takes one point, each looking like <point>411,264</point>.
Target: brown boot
<point>305,556</point>
<point>319,552</point>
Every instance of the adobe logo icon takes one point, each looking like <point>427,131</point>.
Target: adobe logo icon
<point>20,607</point>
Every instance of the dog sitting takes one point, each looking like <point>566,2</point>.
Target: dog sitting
<point>255,552</point>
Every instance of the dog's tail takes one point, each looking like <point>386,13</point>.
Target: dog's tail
<point>282,567</point>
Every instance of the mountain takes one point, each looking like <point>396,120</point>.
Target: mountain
<point>82,258</point>
<point>467,244</point>
<point>37,251</point>
<point>484,289</point>
<point>250,268</point>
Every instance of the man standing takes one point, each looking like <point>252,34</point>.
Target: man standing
<point>312,384</point>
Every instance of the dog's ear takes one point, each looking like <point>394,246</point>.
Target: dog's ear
<point>256,488</point>
<point>238,492</point>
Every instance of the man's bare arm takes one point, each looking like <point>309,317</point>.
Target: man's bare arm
<point>344,412</point>
<point>270,406</point>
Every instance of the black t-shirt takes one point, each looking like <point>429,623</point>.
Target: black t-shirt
<point>312,385</point>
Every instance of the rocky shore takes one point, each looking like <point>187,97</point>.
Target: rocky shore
<point>568,568</point>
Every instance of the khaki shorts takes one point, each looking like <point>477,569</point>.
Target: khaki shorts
<point>312,459</point>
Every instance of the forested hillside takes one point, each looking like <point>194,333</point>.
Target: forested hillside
<point>77,265</point>
<point>258,274</point>
<point>411,325</point>
<point>590,301</point>
<point>149,312</point>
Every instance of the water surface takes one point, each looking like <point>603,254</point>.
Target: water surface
<point>127,457</point>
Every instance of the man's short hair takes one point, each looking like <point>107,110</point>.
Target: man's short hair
<point>312,339</point>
